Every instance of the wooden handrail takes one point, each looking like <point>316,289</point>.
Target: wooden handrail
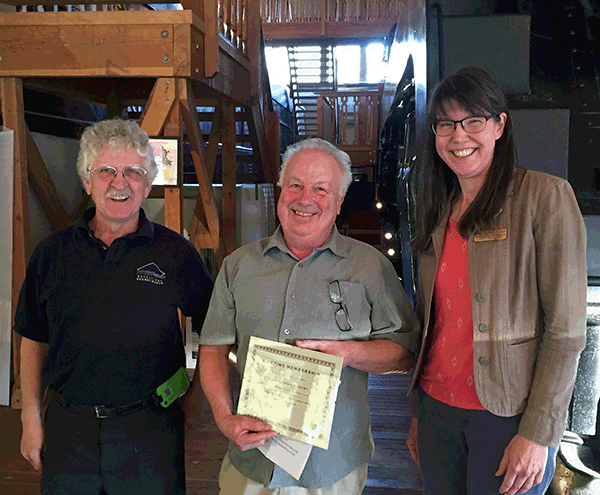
<point>356,116</point>
<point>283,11</point>
<point>234,22</point>
<point>326,118</point>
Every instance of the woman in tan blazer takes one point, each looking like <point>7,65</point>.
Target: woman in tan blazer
<point>502,300</point>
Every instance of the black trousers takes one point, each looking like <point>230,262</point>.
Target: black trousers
<point>460,449</point>
<point>140,453</point>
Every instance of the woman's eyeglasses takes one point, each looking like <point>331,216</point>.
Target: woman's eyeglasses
<point>469,124</point>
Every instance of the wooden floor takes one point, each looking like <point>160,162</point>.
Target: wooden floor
<point>391,472</point>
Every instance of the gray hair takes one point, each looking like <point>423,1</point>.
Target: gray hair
<point>326,147</point>
<point>115,134</point>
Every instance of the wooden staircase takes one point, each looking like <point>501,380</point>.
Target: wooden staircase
<point>311,72</point>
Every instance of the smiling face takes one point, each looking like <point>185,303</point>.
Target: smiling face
<point>118,200</point>
<point>469,155</point>
<point>310,200</point>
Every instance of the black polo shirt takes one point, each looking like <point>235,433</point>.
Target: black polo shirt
<point>109,314</point>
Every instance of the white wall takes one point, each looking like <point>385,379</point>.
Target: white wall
<point>60,155</point>
<point>6,207</point>
<point>255,210</point>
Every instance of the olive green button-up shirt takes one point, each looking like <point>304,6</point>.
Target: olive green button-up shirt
<point>265,291</point>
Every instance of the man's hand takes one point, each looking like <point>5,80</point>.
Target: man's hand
<point>342,348</point>
<point>411,441</point>
<point>32,441</point>
<point>522,465</point>
<point>244,431</point>
<point>372,356</point>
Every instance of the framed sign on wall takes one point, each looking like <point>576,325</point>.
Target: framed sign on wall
<point>167,153</point>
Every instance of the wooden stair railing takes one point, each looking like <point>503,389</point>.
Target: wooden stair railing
<point>311,19</point>
<point>349,119</point>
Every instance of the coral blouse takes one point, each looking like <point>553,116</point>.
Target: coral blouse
<point>447,374</point>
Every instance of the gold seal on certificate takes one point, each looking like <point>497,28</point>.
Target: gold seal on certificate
<point>294,390</point>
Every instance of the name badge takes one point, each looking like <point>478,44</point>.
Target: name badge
<point>491,235</point>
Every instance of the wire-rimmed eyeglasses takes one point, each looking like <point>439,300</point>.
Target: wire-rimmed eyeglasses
<point>341,315</point>
<point>106,173</point>
<point>471,125</point>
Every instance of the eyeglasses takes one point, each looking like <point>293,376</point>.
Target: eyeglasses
<point>341,315</point>
<point>469,124</point>
<point>106,173</point>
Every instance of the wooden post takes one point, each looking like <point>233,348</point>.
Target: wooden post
<point>174,195</point>
<point>206,206</point>
<point>228,173</point>
<point>211,40</point>
<point>13,116</point>
<point>159,105</point>
<point>272,124</point>
<point>254,48</point>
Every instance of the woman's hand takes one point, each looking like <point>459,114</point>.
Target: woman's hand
<point>523,465</point>
<point>411,441</point>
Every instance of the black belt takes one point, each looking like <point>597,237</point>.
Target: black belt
<point>102,412</point>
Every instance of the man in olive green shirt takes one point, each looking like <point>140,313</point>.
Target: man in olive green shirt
<point>287,288</point>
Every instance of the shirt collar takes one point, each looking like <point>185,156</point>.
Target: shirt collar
<point>145,227</point>
<point>336,243</point>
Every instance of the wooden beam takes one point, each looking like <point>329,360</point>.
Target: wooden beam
<point>211,40</point>
<point>229,175</point>
<point>158,107</point>
<point>43,186</point>
<point>197,6</point>
<point>174,195</point>
<point>96,44</point>
<point>114,104</point>
<point>213,142</point>
<point>263,145</point>
<point>206,197</point>
<point>272,124</point>
<point>84,203</point>
<point>13,117</point>
<point>254,48</point>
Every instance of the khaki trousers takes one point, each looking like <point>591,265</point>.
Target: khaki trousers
<point>232,482</point>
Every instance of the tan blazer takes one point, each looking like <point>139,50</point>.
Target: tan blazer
<point>528,278</point>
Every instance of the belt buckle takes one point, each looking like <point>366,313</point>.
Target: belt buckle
<point>101,412</point>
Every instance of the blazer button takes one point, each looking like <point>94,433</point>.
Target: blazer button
<point>484,361</point>
<point>483,328</point>
<point>481,297</point>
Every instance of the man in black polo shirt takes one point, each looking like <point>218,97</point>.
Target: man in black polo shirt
<point>98,313</point>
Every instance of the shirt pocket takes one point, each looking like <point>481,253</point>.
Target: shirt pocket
<point>354,298</point>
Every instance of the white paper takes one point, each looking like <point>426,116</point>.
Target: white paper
<point>289,454</point>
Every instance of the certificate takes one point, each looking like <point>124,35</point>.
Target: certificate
<point>294,390</point>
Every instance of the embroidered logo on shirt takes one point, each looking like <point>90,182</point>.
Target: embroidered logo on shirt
<point>150,273</point>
